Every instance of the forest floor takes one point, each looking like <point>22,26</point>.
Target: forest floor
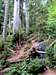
<point>23,52</point>
<point>49,72</point>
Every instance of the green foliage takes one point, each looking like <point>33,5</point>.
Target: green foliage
<point>11,9</point>
<point>38,17</point>
<point>19,36</point>
<point>24,68</point>
<point>6,53</point>
<point>2,62</point>
<point>35,65</point>
<point>43,18</point>
<point>1,42</point>
<point>43,22</point>
<point>51,56</point>
<point>9,40</point>
<point>22,31</point>
<point>51,22</point>
<point>1,15</point>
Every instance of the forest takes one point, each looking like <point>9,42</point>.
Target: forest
<point>27,37</point>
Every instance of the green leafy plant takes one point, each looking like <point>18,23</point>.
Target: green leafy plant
<point>51,22</point>
<point>24,68</point>
<point>1,42</point>
<point>9,40</point>
<point>51,56</point>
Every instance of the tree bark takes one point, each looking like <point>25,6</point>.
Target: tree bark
<point>16,22</point>
<point>27,15</point>
<point>26,12</point>
<point>44,2</point>
<point>6,3</point>
<point>5,19</point>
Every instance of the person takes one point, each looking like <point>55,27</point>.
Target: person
<point>33,54</point>
<point>40,47</point>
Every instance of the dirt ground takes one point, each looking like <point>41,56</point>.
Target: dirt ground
<point>49,72</point>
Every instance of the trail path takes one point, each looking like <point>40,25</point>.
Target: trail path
<point>49,72</point>
<point>23,52</point>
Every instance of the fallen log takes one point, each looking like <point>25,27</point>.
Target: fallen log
<point>34,37</point>
<point>30,36</point>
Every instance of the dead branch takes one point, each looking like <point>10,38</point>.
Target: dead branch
<point>52,44</point>
<point>11,50</point>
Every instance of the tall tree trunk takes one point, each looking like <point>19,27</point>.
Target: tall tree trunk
<point>21,13</point>
<point>16,22</point>
<point>6,3</point>
<point>27,15</point>
<point>9,24</point>
<point>44,2</point>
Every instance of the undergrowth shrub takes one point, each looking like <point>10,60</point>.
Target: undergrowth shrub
<point>1,42</point>
<point>51,56</point>
<point>9,41</point>
<point>4,56</point>
<point>24,68</point>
